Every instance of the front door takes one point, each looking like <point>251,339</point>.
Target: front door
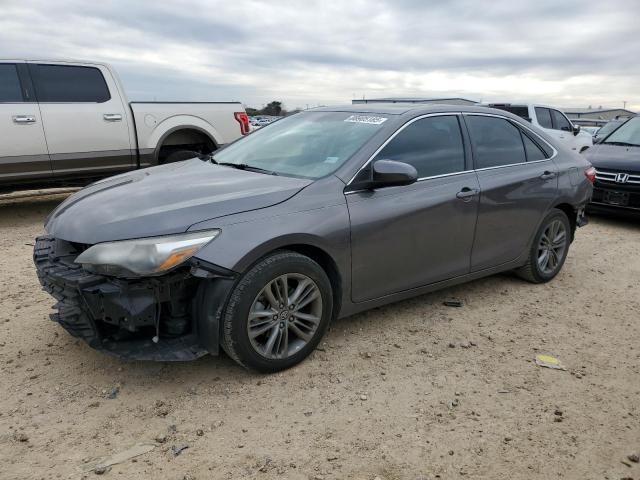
<point>23,150</point>
<point>518,182</point>
<point>409,236</point>
<point>85,120</point>
<point>556,125</point>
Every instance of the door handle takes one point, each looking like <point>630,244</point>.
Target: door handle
<point>466,193</point>
<point>24,119</point>
<point>547,175</point>
<point>112,117</point>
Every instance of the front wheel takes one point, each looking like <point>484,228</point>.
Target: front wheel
<point>549,249</point>
<point>277,313</point>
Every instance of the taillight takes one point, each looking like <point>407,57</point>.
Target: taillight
<point>243,120</point>
<point>590,173</point>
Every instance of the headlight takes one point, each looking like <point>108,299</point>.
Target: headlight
<point>144,256</point>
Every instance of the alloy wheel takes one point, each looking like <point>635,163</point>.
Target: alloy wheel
<point>552,246</point>
<point>284,316</point>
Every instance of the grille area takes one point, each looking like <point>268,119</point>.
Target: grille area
<point>617,189</point>
<point>616,177</point>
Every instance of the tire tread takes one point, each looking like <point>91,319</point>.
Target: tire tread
<point>238,294</point>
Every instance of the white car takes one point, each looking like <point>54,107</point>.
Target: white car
<point>66,122</point>
<point>552,121</point>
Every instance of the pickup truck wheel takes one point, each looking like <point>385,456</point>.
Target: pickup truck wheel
<point>277,313</point>
<point>549,249</point>
<point>180,155</point>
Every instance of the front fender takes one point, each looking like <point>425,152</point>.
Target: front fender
<point>242,244</point>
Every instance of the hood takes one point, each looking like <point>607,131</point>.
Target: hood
<point>614,157</point>
<point>164,200</point>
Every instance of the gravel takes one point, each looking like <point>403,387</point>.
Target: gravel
<point>587,317</point>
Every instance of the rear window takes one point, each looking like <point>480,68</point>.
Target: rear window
<point>496,142</point>
<point>10,90</point>
<point>534,152</point>
<point>520,110</point>
<point>69,84</point>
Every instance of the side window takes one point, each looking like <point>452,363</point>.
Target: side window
<point>432,145</point>
<point>496,141</point>
<point>10,89</point>
<point>544,117</point>
<point>560,122</point>
<point>61,83</point>
<point>533,151</point>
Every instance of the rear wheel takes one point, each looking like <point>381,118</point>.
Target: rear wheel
<point>549,249</point>
<point>277,313</point>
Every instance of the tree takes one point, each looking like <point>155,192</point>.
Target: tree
<point>273,108</point>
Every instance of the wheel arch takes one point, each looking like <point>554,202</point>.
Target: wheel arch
<point>181,123</point>
<point>309,246</point>
<point>188,131</point>
<point>570,211</point>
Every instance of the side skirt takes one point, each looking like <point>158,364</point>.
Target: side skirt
<point>353,308</point>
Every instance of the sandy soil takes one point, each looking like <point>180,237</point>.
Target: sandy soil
<point>412,390</point>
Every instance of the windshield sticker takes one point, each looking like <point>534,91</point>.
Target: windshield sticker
<point>366,119</point>
<point>332,159</point>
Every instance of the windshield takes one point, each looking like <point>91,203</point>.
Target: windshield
<point>627,134</point>
<point>308,144</point>
<point>608,128</point>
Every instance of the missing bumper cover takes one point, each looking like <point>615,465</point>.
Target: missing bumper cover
<point>121,317</point>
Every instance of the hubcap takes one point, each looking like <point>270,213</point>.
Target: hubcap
<point>284,316</point>
<point>552,246</point>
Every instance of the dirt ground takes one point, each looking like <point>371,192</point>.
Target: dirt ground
<point>415,390</point>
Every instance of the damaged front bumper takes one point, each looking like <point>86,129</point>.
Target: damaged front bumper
<point>166,318</point>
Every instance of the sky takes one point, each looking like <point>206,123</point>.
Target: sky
<point>306,53</point>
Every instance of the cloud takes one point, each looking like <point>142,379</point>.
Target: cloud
<point>569,53</point>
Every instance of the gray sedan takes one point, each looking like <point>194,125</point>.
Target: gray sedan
<point>321,215</point>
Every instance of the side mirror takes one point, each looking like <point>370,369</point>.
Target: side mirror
<point>389,173</point>
<point>384,173</point>
<point>576,129</point>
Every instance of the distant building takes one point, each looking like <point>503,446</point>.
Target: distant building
<point>446,101</point>
<point>599,113</point>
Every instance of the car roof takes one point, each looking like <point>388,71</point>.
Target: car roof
<point>52,61</point>
<point>406,108</point>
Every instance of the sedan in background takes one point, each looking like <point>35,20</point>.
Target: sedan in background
<point>324,214</point>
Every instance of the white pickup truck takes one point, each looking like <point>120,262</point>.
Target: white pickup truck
<point>552,121</point>
<point>67,122</point>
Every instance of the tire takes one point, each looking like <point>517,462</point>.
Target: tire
<point>180,155</point>
<point>299,336</point>
<point>534,270</point>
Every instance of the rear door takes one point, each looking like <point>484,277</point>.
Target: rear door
<point>518,181</point>
<point>23,150</point>
<point>84,118</point>
<point>408,236</point>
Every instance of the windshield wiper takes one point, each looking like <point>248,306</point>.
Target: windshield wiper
<point>622,144</point>
<point>244,166</point>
